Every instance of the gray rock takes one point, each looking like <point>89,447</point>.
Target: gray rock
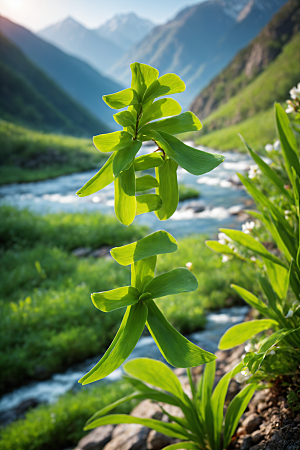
<point>147,409</point>
<point>80,252</point>
<point>96,439</point>
<point>132,437</point>
<point>256,436</point>
<point>247,443</point>
<point>101,252</point>
<point>251,423</point>
<point>157,441</point>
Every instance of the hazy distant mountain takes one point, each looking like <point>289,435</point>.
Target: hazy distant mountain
<point>125,30</point>
<point>30,97</point>
<point>200,41</point>
<point>81,81</point>
<point>73,38</point>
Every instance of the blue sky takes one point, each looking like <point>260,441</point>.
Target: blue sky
<point>36,14</point>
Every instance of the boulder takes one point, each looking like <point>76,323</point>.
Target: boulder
<point>96,439</point>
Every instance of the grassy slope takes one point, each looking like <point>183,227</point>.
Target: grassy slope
<point>28,155</point>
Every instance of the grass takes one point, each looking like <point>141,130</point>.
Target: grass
<point>28,155</point>
<point>60,425</point>
<point>187,192</point>
<point>48,321</point>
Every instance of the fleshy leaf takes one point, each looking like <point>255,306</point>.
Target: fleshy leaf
<point>164,107</point>
<point>142,272</point>
<point>238,334</point>
<point>124,342</point>
<point>174,125</point>
<point>124,118</point>
<point>142,77</point>
<point>176,349</point>
<point>121,99</point>
<point>110,142</point>
<point>117,298</point>
<point>123,159</point>
<point>103,178</point>
<point>125,203</point>
<point>166,85</point>
<point>168,189</point>
<point>154,244</point>
<point>253,301</point>
<point>147,203</point>
<point>219,248</point>
<point>191,159</point>
<point>145,162</point>
<point>145,183</point>
<point>173,282</point>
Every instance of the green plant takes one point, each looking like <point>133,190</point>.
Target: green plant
<point>202,426</point>
<point>278,202</point>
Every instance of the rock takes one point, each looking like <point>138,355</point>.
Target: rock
<point>147,409</point>
<point>96,439</point>
<point>157,441</point>
<point>240,432</point>
<point>297,419</point>
<point>80,252</point>
<point>101,252</point>
<point>247,443</point>
<point>261,407</point>
<point>251,423</point>
<point>256,436</point>
<point>236,209</point>
<point>132,437</point>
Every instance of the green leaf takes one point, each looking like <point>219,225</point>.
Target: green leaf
<point>207,385</point>
<point>173,125</point>
<point>125,118</point>
<point>148,202</point>
<point>169,429</point>
<point>124,158</point>
<point>142,77</point>
<point>279,278</point>
<point>253,301</point>
<point>166,85</point>
<point>142,272</point>
<point>156,373</point>
<point>103,178</point>
<point>111,142</point>
<point>173,282</point>
<point>272,340</point>
<point>252,244</point>
<point>164,107</point>
<point>168,189</point>
<point>219,248</point>
<point>235,410</point>
<point>117,298</point>
<point>175,348</point>
<point>238,334</point>
<point>288,141</point>
<point>125,203</point>
<point>121,99</point>
<point>155,244</point>
<point>191,159</point>
<point>217,406</point>
<point>145,183</point>
<point>182,445</point>
<point>145,162</point>
<point>124,342</point>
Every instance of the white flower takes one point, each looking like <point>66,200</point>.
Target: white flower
<point>189,265</point>
<point>248,227</point>
<point>289,109</point>
<point>295,92</point>
<point>223,239</point>
<point>225,258</point>
<point>269,148</point>
<point>248,347</point>
<point>277,145</point>
<point>254,171</point>
<point>287,214</point>
<point>253,259</point>
<point>243,376</point>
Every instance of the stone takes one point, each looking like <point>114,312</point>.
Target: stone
<point>96,439</point>
<point>297,419</point>
<point>147,409</point>
<point>240,432</point>
<point>262,406</point>
<point>132,437</point>
<point>80,252</point>
<point>157,441</point>
<point>247,443</point>
<point>251,423</point>
<point>101,252</point>
<point>256,436</point>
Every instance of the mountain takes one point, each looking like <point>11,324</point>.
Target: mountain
<point>30,97</point>
<point>259,74</point>
<point>78,79</point>
<point>200,41</point>
<point>73,38</point>
<point>125,30</point>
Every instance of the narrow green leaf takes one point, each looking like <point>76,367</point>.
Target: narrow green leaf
<point>182,445</point>
<point>287,238</point>
<point>253,301</point>
<point>125,203</point>
<point>124,342</point>
<point>103,178</point>
<point>117,298</point>
<point>175,348</point>
<point>156,373</point>
<point>219,248</point>
<point>279,278</point>
<point>288,141</point>
<point>235,410</point>
<point>252,244</point>
<point>173,282</point>
<point>164,107</point>
<point>238,334</point>
<point>145,162</point>
<point>155,244</point>
<point>169,429</point>
<point>142,77</point>
<point>168,189</point>
<point>173,125</point>
<point>191,159</point>
<point>125,157</point>
<point>166,85</point>
<point>273,340</point>
<point>142,272</point>
<point>147,203</point>
<point>217,406</point>
<point>273,303</point>
<point>207,385</point>
<point>121,99</point>
<point>145,183</point>
<point>111,142</point>
<point>125,118</point>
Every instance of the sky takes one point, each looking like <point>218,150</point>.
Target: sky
<point>37,14</point>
